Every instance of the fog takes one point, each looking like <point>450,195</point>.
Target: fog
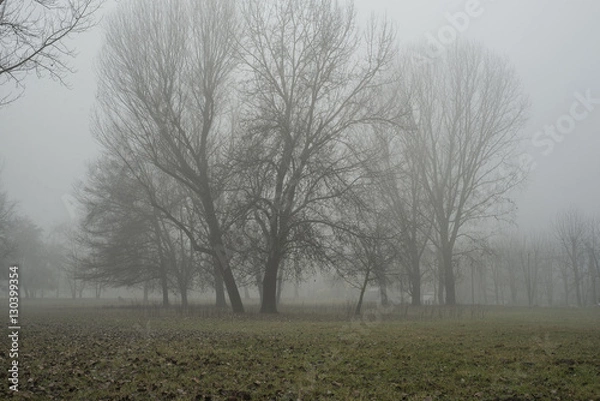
<point>45,140</point>
<point>288,200</point>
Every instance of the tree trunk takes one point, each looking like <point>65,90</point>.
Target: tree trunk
<point>362,295</point>
<point>416,290</point>
<point>472,283</point>
<point>220,301</point>
<point>565,278</point>
<point>164,284</point>
<point>449,281</point>
<point>259,286</point>
<point>483,285</point>
<point>415,283</point>
<point>593,279</point>
<point>234,294</point>
<point>383,294</point>
<point>269,298</point>
<point>279,285</point>
<point>440,286</point>
<point>218,246</point>
<point>576,277</point>
<point>184,299</point>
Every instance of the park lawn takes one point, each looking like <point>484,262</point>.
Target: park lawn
<point>96,353</point>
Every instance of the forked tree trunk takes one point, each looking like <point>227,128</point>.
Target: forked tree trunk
<point>221,258</point>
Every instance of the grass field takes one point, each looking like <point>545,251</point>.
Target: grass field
<point>306,353</point>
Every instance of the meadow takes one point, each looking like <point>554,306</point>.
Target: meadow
<point>310,352</point>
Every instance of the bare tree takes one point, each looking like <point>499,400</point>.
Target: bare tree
<point>71,254</point>
<point>164,78</point>
<point>530,260</point>
<point>467,110</point>
<point>314,79</point>
<point>120,240</point>
<point>498,275</point>
<point>34,37</point>
<point>35,276</point>
<point>571,231</point>
<point>402,193</point>
<point>365,247</point>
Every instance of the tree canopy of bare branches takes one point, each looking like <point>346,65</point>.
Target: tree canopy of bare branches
<point>467,110</point>
<point>164,80</point>
<point>314,80</point>
<point>34,36</point>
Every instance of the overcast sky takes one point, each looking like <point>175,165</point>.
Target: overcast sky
<point>45,141</point>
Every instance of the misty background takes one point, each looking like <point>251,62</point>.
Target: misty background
<point>45,140</point>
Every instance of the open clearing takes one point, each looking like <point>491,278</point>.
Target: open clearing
<point>95,353</point>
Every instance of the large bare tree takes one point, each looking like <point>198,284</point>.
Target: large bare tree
<point>165,75</point>
<point>314,79</point>
<point>467,108</point>
<point>34,37</point>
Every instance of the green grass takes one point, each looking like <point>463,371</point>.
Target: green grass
<point>92,353</point>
